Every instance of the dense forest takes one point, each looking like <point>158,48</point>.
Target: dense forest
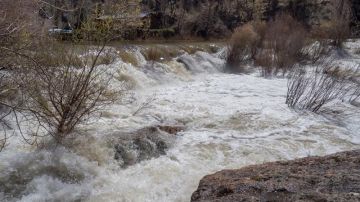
<point>208,18</point>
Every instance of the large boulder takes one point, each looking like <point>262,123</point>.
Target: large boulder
<point>144,144</point>
<point>330,178</point>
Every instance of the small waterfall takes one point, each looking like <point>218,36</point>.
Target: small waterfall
<point>178,67</point>
<point>202,62</point>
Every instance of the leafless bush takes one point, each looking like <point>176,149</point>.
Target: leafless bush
<point>4,112</point>
<point>285,39</point>
<point>243,45</point>
<point>145,105</point>
<point>60,85</point>
<point>4,136</point>
<point>355,94</point>
<point>354,89</point>
<point>263,59</point>
<point>16,26</point>
<point>316,51</point>
<point>311,90</point>
<point>7,94</point>
<point>63,85</point>
<point>297,86</point>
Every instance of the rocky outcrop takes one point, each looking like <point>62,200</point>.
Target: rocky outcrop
<point>144,144</point>
<point>330,178</point>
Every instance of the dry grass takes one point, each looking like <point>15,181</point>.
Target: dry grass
<point>129,81</point>
<point>160,53</point>
<point>153,54</point>
<point>191,49</point>
<point>128,57</point>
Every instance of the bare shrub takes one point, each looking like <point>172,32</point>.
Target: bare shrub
<point>264,59</point>
<point>354,89</point>
<point>16,18</point>
<point>276,46</point>
<point>316,51</point>
<point>242,46</point>
<point>311,90</point>
<point>355,95</point>
<point>8,105</point>
<point>63,85</point>
<point>16,27</point>
<point>297,86</point>
<point>5,111</point>
<point>3,141</point>
<point>260,28</point>
<point>285,37</point>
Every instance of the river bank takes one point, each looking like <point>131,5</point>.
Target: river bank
<point>330,178</point>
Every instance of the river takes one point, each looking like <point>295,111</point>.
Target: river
<point>228,121</point>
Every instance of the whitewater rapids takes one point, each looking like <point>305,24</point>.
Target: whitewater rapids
<point>230,121</point>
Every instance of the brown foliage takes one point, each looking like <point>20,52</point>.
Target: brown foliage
<point>284,40</point>
<point>153,54</point>
<point>243,45</point>
<point>275,46</point>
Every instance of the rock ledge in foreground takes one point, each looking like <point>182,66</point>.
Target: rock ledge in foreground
<point>330,178</point>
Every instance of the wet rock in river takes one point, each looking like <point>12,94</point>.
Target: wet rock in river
<point>144,144</point>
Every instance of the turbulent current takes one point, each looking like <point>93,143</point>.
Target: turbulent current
<point>183,119</point>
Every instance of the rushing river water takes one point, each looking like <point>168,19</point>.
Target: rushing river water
<point>228,121</point>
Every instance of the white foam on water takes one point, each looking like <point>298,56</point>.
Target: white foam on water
<point>231,121</point>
